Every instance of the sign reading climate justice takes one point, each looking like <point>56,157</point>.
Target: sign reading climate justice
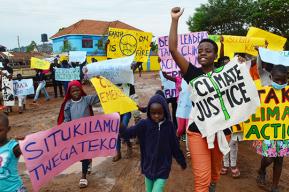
<point>123,42</point>
<point>223,98</point>
<point>271,120</point>
<point>187,46</point>
<point>48,153</point>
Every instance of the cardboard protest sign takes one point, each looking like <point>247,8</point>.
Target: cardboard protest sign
<point>184,102</point>
<point>276,42</point>
<point>271,119</point>
<point>48,153</point>
<point>274,57</point>
<point>187,46</point>
<point>112,98</point>
<point>223,98</point>
<point>77,56</point>
<point>123,42</point>
<point>7,89</point>
<point>23,87</point>
<point>169,87</point>
<point>39,64</point>
<point>115,70</point>
<point>240,44</point>
<point>67,74</point>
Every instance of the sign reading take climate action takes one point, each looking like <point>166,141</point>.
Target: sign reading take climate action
<point>123,42</point>
<point>223,98</point>
<point>48,153</point>
<point>67,74</point>
<point>39,64</point>
<point>187,46</point>
<point>271,120</point>
<point>112,98</point>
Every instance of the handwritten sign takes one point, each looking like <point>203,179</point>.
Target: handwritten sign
<point>224,98</point>
<point>23,87</point>
<point>112,98</point>
<point>240,44</point>
<point>184,102</point>
<point>187,46</point>
<point>276,42</point>
<point>48,153</point>
<point>125,43</point>
<point>7,90</point>
<point>271,119</point>
<point>67,74</point>
<point>169,87</point>
<point>274,57</point>
<point>39,64</point>
<point>115,70</point>
<point>77,56</point>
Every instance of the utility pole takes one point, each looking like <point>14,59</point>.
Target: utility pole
<point>18,41</point>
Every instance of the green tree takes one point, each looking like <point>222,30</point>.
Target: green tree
<point>271,15</point>
<point>234,17</point>
<point>154,46</point>
<point>31,47</point>
<point>221,17</point>
<point>66,46</point>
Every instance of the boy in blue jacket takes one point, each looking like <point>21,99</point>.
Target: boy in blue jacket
<point>158,144</point>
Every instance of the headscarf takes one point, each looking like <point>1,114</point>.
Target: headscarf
<point>68,97</point>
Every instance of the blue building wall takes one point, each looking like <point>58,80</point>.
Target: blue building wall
<point>76,43</point>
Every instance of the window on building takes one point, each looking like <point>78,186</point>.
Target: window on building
<point>87,43</point>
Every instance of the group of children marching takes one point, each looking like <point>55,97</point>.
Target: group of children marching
<point>158,135</point>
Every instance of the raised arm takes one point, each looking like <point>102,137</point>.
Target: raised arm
<point>222,53</point>
<point>180,60</point>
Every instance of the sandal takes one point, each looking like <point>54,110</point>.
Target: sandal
<point>235,172</point>
<point>224,170</point>
<point>83,183</point>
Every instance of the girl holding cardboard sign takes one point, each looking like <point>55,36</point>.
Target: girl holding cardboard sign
<point>206,163</point>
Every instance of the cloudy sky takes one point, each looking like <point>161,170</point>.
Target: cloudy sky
<point>30,18</point>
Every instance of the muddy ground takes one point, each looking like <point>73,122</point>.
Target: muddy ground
<point>125,175</point>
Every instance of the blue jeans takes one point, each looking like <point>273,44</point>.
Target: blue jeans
<point>65,86</point>
<point>41,86</point>
<point>124,120</point>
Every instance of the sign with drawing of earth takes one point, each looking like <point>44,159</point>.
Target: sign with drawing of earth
<point>124,43</point>
<point>128,44</point>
